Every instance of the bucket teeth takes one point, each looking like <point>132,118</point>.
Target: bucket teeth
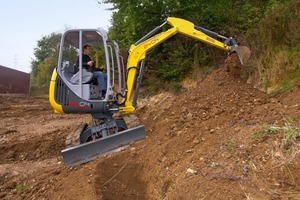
<point>86,152</point>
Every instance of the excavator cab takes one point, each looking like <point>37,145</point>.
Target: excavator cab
<point>73,90</point>
<point>105,54</point>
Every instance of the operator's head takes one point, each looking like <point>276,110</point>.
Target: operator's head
<point>87,49</point>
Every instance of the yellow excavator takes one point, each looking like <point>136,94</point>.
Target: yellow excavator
<point>74,91</point>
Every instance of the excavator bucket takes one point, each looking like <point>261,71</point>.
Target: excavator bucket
<point>243,53</point>
<point>88,151</point>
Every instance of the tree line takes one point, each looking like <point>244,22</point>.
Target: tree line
<point>179,57</point>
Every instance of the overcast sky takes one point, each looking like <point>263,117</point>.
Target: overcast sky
<point>23,23</point>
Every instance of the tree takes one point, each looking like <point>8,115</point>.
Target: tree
<point>174,60</point>
<point>46,47</point>
<point>46,56</point>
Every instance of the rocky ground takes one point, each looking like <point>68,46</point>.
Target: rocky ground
<point>220,139</point>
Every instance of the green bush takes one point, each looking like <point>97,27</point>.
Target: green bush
<point>275,45</point>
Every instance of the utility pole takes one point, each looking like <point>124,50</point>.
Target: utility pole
<point>15,61</point>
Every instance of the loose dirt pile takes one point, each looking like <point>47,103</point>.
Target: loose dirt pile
<point>221,139</point>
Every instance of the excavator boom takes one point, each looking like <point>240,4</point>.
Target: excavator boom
<point>138,51</point>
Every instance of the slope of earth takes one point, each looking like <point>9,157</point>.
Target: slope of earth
<point>220,139</point>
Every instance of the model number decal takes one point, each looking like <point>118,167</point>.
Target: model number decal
<point>210,39</point>
<point>81,104</point>
<point>150,43</point>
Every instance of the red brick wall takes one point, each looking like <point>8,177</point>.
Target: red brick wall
<point>13,82</point>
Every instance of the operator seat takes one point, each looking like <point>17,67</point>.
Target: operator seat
<point>71,73</point>
<point>86,77</point>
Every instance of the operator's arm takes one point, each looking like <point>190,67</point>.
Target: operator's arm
<point>87,62</point>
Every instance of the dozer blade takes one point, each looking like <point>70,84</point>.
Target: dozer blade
<point>86,152</point>
<point>243,53</point>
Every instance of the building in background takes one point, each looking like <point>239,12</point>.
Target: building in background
<point>14,82</point>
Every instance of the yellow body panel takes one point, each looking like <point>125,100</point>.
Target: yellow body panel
<point>57,107</point>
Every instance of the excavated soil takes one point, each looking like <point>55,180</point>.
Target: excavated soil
<point>213,141</point>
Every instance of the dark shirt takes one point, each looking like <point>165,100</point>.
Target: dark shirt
<point>85,60</point>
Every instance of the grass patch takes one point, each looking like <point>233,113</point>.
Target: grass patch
<point>289,129</point>
<point>231,143</point>
<point>36,90</point>
<point>284,146</point>
<point>286,85</point>
<point>176,87</point>
<point>21,187</point>
<point>266,132</point>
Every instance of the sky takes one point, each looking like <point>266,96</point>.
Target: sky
<point>23,23</point>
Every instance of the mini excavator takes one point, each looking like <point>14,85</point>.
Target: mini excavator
<point>76,92</point>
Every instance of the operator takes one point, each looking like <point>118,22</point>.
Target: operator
<point>89,64</point>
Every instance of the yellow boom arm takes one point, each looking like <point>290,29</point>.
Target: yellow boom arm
<point>138,51</point>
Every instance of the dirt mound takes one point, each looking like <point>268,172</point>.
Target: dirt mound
<point>210,131</point>
<point>221,139</point>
